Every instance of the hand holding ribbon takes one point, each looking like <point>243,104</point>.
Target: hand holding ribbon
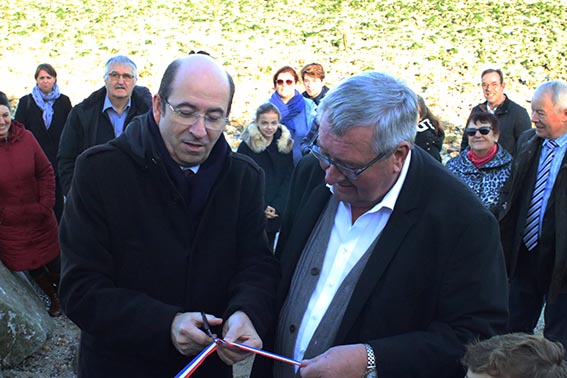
<point>237,327</point>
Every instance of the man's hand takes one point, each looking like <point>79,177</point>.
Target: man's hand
<point>345,361</point>
<point>238,328</point>
<point>187,333</point>
<point>271,212</point>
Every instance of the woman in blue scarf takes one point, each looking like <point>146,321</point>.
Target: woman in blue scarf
<point>297,111</point>
<point>44,112</point>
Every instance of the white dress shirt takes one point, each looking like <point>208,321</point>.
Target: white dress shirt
<point>347,244</point>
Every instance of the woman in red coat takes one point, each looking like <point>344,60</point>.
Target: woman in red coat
<point>28,227</point>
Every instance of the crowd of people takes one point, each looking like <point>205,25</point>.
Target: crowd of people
<point>333,235</point>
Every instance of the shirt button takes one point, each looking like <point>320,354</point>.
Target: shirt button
<point>315,271</point>
<point>292,328</point>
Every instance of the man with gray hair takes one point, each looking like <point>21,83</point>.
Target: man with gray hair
<point>382,275</point>
<point>103,115</point>
<point>534,218</point>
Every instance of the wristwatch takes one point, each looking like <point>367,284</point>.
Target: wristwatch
<point>370,364</point>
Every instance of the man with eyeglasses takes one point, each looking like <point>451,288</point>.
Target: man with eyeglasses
<point>512,118</point>
<point>390,265</point>
<point>103,115</point>
<point>161,224</point>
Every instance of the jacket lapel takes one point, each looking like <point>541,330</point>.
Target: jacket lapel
<point>400,223</point>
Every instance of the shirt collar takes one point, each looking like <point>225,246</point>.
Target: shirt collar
<point>562,140</point>
<point>108,104</point>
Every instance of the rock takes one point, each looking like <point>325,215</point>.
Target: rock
<point>24,321</point>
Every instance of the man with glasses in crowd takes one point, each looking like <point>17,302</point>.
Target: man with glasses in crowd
<point>382,274</point>
<point>103,115</point>
<point>512,118</point>
<point>161,224</point>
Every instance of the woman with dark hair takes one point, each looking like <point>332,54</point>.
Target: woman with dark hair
<point>297,112</point>
<point>430,134</point>
<point>269,144</point>
<point>28,227</point>
<point>484,165</point>
<point>44,112</point>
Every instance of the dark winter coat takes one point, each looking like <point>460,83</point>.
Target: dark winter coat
<point>88,126</point>
<point>429,139</point>
<point>487,181</point>
<point>513,120</point>
<point>132,257</point>
<point>30,115</point>
<point>276,160</point>
<point>423,294</point>
<point>28,227</point>
<point>516,201</point>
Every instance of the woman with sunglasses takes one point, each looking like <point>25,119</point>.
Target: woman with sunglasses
<point>484,165</point>
<point>297,112</point>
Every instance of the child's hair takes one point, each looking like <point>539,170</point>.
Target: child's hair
<point>267,107</point>
<point>516,355</point>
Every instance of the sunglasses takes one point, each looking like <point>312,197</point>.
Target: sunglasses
<point>484,130</point>
<point>281,82</point>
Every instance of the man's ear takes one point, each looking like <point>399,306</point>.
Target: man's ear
<point>400,155</point>
<point>156,108</point>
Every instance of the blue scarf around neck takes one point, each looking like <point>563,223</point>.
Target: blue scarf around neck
<point>45,102</point>
<point>290,110</point>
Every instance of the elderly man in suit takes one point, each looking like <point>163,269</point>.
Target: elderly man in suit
<point>383,275</point>
<point>535,217</point>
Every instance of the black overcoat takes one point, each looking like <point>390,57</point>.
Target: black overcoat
<point>130,262</point>
<point>435,280</point>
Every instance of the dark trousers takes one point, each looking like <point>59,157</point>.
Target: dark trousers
<point>528,294</point>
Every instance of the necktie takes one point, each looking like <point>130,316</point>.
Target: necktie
<point>531,230</point>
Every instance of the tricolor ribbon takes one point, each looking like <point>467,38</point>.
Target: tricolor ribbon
<point>197,361</point>
<point>260,352</point>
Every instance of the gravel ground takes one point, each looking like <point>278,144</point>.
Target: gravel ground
<point>56,357</point>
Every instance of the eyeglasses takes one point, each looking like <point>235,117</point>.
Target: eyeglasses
<point>190,118</point>
<point>484,130</point>
<point>350,173</point>
<point>114,76</point>
<point>281,82</point>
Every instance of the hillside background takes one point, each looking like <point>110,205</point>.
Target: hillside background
<point>438,47</point>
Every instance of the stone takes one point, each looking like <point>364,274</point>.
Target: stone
<point>24,321</point>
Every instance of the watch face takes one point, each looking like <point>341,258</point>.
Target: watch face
<point>371,374</point>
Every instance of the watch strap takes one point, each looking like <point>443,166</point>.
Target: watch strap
<point>371,358</point>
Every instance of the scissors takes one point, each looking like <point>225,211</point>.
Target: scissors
<point>208,327</point>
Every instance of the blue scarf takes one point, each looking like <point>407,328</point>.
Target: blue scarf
<point>45,102</point>
<point>290,110</point>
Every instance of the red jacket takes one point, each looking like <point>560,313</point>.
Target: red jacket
<point>28,227</point>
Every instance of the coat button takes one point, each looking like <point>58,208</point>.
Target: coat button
<point>292,328</point>
<point>315,271</point>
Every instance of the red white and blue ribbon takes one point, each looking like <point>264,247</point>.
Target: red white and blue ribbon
<point>260,352</point>
<point>199,359</point>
